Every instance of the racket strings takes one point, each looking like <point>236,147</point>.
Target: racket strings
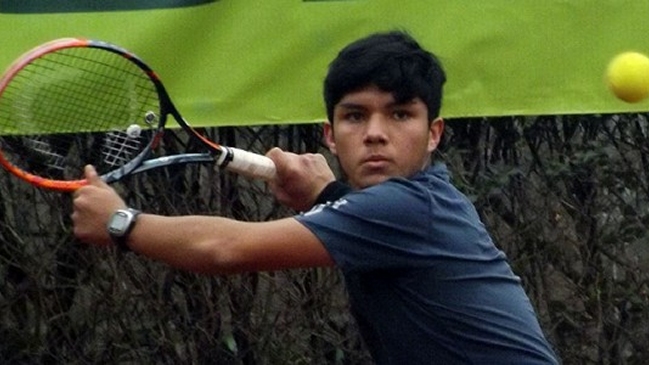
<point>73,107</point>
<point>119,148</point>
<point>89,93</point>
<point>51,159</point>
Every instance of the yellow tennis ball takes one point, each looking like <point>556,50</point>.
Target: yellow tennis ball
<point>627,76</point>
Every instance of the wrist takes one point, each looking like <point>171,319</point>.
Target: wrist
<point>120,225</point>
<point>333,191</point>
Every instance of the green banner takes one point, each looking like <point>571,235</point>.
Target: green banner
<point>48,6</point>
<point>245,62</point>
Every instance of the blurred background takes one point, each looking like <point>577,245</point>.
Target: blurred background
<point>556,166</point>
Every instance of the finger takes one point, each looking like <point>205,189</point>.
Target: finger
<point>276,154</point>
<point>280,158</point>
<point>92,177</point>
<point>320,157</point>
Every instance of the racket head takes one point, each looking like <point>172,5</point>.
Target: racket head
<point>72,102</point>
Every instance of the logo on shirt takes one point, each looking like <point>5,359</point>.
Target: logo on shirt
<point>320,207</point>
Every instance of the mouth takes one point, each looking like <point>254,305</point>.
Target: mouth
<point>376,161</point>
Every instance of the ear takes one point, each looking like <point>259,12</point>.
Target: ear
<point>329,137</point>
<point>435,133</point>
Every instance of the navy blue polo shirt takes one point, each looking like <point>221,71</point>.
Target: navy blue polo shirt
<point>426,283</point>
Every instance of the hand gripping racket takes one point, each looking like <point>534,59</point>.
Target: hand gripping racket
<point>70,86</point>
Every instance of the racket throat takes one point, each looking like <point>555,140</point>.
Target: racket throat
<point>224,159</point>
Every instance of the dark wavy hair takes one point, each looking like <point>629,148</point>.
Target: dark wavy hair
<point>394,62</point>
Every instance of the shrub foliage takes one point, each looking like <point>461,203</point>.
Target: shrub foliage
<point>566,197</point>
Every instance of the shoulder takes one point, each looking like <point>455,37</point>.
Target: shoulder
<point>420,197</point>
<point>395,200</point>
<point>392,191</point>
<point>425,187</point>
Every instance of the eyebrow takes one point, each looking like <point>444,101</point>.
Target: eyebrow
<point>350,105</point>
<point>353,105</point>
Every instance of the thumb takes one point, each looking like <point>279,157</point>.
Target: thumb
<point>277,155</point>
<point>279,159</point>
<point>92,177</point>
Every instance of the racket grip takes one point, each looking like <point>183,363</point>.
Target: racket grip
<point>250,164</point>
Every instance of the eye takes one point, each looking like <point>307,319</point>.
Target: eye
<point>401,115</point>
<point>353,116</point>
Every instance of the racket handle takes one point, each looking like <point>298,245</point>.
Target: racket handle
<point>248,164</point>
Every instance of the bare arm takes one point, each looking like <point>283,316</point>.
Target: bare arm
<point>222,246</point>
<point>203,244</point>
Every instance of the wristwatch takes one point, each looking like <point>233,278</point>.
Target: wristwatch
<point>120,225</point>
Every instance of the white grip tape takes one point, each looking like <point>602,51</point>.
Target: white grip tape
<point>251,164</point>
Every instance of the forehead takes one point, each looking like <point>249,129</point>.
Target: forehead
<point>373,97</point>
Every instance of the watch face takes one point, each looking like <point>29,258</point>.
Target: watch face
<point>119,223</point>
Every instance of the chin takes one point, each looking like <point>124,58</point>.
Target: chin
<point>367,181</point>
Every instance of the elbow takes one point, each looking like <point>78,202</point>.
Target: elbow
<point>219,248</point>
<point>225,258</point>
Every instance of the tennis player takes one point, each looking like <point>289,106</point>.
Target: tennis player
<point>426,283</point>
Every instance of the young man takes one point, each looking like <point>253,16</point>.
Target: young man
<point>425,281</point>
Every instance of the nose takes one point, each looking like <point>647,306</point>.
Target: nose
<point>376,130</point>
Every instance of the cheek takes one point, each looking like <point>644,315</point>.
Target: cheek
<point>345,152</point>
<point>417,141</point>
<point>342,142</point>
<point>414,149</point>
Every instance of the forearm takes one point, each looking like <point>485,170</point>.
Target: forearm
<point>194,243</point>
<point>216,245</point>
<point>205,244</point>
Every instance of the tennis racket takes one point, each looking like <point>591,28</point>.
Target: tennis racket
<point>73,86</point>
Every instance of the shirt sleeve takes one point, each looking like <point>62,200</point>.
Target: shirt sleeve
<point>384,226</point>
